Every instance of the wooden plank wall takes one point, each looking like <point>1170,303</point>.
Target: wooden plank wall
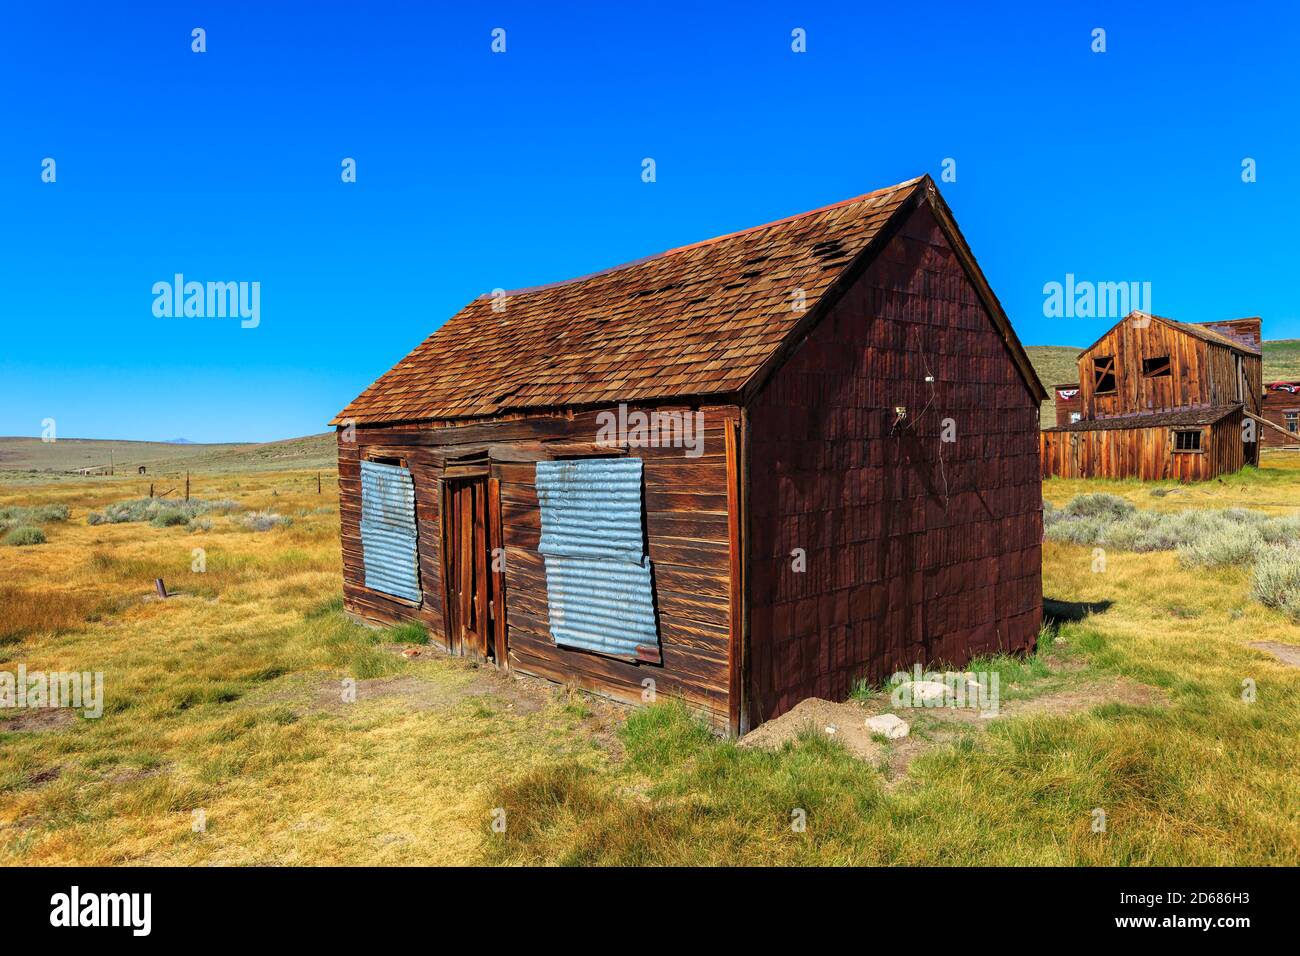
<point>357,598</point>
<point>687,528</point>
<point>1253,370</point>
<point>686,513</point>
<point>1226,452</point>
<point>1145,453</point>
<point>916,549</point>
<point>1249,332</point>
<point>1276,404</point>
<point>1200,373</point>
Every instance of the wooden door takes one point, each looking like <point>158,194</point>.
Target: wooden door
<point>475,625</point>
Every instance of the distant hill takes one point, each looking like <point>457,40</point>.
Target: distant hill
<point>1057,365</point>
<point>1282,360</point>
<point>23,456</point>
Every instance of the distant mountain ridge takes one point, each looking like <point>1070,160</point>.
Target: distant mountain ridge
<point>67,455</point>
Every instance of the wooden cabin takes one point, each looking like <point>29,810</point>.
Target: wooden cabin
<point>1163,399</point>
<point>1069,407</point>
<point>1282,408</point>
<point>739,473</point>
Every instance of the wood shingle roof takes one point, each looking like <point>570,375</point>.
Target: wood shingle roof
<point>699,320</point>
<point>1173,418</point>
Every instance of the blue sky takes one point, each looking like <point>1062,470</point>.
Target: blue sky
<point>478,170</point>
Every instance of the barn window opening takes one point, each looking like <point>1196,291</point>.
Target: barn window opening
<point>1155,367</point>
<point>388,537</point>
<point>1103,374</point>
<point>1187,440</point>
<point>599,579</point>
<point>1292,420</point>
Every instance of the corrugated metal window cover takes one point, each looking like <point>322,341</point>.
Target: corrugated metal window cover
<point>598,577</point>
<point>388,536</point>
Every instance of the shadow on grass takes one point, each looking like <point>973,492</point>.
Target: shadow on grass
<point>1056,613</point>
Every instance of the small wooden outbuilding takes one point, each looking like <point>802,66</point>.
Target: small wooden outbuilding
<point>738,473</point>
<point>1069,408</point>
<point>1282,408</point>
<point>1162,399</point>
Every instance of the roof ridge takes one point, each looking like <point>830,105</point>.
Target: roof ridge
<point>712,323</point>
<point>542,287</point>
<point>1202,330</point>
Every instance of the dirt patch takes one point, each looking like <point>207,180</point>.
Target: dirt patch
<point>1084,696</point>
<point>506,693</point>
<point>931,727</point>
<point>44,776</point>
<point>1288,654</point>
<point>845,722</point>
<point>319,693</point>
<point>32,720</point>
<point>133,774</point>
<point>419,694</point>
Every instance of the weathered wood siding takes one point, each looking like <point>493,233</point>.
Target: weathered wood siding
<point>687,525</point>
<point>1249,332</point>
<point>375,605</point>
<point>1145,453</point>
<point>1201,374</point>
<point>1276,404</point>
<point>1065,407</point>
<point>916,549</point>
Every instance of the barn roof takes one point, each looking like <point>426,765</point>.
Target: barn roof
<point>706,319</point>
<point>1213,336</point>
<point>1193,329</point>
<point>1179,417</point>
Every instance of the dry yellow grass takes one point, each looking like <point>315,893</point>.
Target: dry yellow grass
<point>213,700</point>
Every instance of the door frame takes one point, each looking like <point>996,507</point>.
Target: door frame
<point>489,577</point>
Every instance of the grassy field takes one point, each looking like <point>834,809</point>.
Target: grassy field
<point>1282,360</point>
<point>226,737</point>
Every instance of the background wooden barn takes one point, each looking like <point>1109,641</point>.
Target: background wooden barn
<point>866,494</point>
<point>1282,408</point>
<point>1162,399</point>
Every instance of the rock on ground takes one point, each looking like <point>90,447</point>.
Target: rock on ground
<point>891,726</point>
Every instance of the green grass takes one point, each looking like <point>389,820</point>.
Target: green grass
<point>411,632</point>
<point>1282,360</point>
